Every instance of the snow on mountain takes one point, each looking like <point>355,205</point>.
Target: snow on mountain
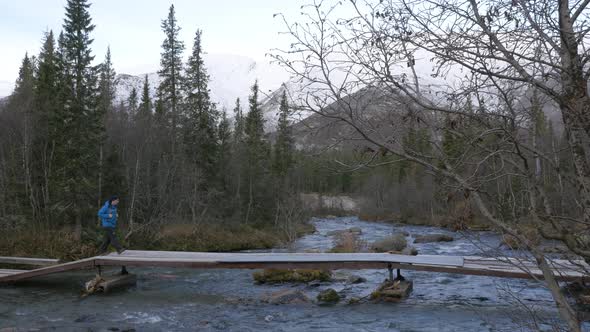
<point>231,76</point>
<point>6,88</point>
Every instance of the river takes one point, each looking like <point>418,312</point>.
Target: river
<point>228,300</point>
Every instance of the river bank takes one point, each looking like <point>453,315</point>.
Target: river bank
<point>44,242</point>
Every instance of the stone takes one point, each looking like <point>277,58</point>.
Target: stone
<point>355,280</point>
<point>354,300</point>
<point>410,251</point>
<point>328,296</point>
<point>288,296</point>
<point>352,230</point>
<point>433,238</point>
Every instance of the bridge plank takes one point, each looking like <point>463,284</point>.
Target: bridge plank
<point>28,261</point>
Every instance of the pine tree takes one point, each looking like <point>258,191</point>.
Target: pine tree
<point>283,149</point>
<point>171,73</point>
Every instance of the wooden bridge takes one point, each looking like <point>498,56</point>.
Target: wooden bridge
<point>471,265</point>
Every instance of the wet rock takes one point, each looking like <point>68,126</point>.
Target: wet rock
<point>355,280</point>
<point>352,230</point>
<point>433,238</point>
<point>579,291</point>
<point>410,251</point>
<point>86,319</point>
<point>395,242</point>
<point>354,300</point>
<point>287,296</point>
<point>274,276</point>
<point>328,296</point>
<point>392,291</point>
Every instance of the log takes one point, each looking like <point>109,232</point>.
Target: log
<point>104,284</point>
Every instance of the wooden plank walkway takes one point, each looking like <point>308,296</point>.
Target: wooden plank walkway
<point>470,265</point>
<point>28,261</point>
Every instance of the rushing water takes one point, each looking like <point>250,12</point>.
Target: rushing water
<point>210,300</point>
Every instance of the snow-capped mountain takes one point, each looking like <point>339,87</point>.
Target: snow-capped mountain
<point>232,77</point>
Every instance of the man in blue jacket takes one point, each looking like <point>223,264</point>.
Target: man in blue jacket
<point>108,217</point>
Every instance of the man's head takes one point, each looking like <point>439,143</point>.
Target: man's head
<point>114,200</point>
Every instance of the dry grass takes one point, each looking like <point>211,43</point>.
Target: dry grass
<point>275,276</point>
<point>347,242</point>
<point>396,242</point>
<point>46,242</point>
<point>530,233</point>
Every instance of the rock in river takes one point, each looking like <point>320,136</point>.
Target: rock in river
<point>288,296</point>
<point>433,238</point>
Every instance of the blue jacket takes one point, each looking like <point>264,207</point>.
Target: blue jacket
<point>104,212</point>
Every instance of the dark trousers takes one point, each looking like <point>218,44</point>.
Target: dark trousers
<point>109,238</point>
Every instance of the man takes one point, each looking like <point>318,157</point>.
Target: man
<point>108,216</point>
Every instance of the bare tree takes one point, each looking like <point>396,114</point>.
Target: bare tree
<point>419,63</point>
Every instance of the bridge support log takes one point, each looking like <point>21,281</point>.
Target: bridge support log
<point>104,284</point>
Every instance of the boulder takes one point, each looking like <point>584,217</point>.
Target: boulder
<point>433,238</point>
<point>352,230</point>
<point>355,280</point>
<point>288,296</point>
<point>328,296</point>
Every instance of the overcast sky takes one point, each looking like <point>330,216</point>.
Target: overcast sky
<point>132,29</point>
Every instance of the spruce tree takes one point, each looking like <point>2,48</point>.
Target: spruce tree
<point>47,104</point>
<point>171,73</point>
<point>107,85</point>
<point>283,148</point>
<point>132,103</point>
<point>224,153</point>
<point>200,130</point>
<point>238,123</point>
<point>144,111</point>
<point>83,125</point>
<point>259,198</point>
